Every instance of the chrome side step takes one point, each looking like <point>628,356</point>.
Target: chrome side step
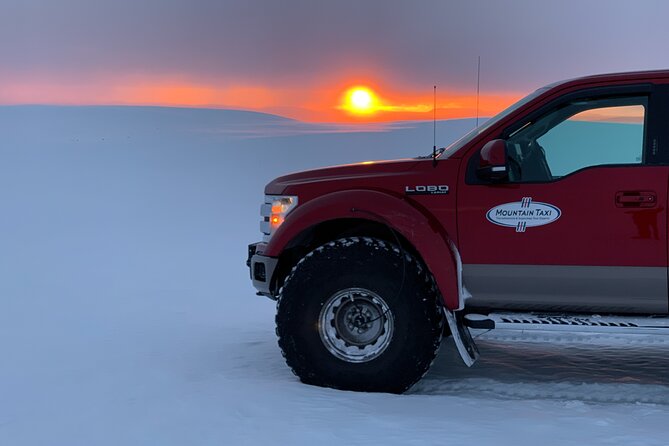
<point>562,322</point>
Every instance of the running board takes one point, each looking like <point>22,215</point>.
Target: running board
<point>562,322</point>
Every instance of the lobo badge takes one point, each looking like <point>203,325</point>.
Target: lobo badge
<point>523,214</point>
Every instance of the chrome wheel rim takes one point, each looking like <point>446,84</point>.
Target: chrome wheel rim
<point>356,325</point>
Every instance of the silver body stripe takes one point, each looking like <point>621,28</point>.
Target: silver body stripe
<point>606,289</point>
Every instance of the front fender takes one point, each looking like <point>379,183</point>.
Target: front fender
<point>419,227</point>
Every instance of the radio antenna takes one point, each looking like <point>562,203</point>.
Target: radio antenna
<point>478,90</point>
<point>434,127</point>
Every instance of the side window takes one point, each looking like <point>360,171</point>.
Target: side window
<point>578,135</point>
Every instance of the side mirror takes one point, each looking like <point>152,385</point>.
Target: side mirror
<point>492,162</point>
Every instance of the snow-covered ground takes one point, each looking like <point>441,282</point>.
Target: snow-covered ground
<point>127,317</point>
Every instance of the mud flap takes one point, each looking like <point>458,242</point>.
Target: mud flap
<point>463,339</point>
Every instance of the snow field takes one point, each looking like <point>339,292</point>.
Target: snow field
<point>127,316</point>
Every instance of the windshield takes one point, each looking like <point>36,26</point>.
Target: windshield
<point>489,123</point>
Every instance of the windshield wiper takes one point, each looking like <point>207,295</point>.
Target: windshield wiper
<point>439,151</point>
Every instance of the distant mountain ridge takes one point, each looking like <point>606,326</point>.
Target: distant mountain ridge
<point>229,123</point>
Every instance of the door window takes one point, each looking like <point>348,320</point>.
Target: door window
<point>578,135</point>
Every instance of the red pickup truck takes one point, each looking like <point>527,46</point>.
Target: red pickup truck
<point>552,215</point>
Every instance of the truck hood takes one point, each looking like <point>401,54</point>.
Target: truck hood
<point>367,169</point>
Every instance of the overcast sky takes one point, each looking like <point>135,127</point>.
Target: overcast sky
<point>300,49</point>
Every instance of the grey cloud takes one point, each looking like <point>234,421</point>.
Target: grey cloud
<point>523,44</point>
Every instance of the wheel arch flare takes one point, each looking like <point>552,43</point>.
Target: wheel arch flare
<point>343,213</point>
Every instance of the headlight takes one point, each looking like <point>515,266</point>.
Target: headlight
<point>273,212</point>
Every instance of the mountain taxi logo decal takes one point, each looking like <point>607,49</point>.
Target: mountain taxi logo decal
<point>523,214</point>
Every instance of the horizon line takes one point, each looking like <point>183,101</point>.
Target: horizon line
<point>355,122</point>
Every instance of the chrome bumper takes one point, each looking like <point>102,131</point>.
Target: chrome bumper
<point>261,270</point>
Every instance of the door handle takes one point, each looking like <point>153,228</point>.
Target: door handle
<point>636,199</point>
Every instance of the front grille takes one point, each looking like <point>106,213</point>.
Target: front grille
<point>265,212</point>
<point>251,253</point>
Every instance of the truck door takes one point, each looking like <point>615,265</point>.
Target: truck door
<point>580,224</point>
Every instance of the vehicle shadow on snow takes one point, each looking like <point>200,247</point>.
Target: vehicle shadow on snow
<point>575,367</point>
<point>513,365</point>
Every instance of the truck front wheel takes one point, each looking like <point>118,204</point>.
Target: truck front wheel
<point>359,314</point>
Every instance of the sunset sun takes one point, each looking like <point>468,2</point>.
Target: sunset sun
<point>360,100</point>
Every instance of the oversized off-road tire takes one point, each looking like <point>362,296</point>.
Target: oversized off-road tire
<point>360,314</point>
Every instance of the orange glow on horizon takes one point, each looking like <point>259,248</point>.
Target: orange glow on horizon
<point>365,101</point>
